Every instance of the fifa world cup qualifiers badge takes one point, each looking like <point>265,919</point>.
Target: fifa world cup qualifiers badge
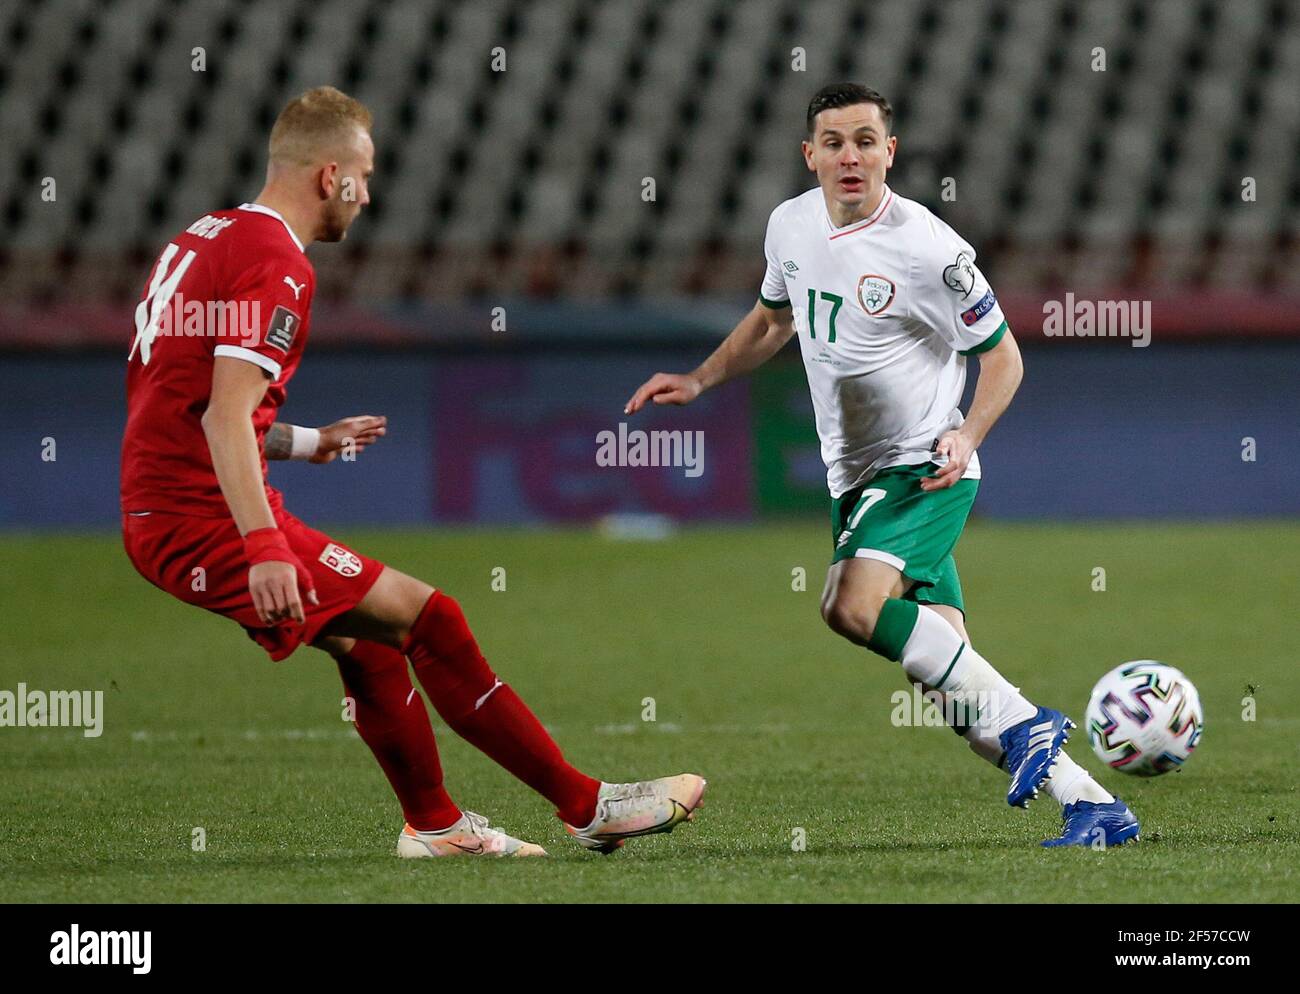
<point>284,325</point>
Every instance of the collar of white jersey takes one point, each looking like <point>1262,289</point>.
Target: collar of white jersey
<point>262,209</point>
<point>886,198</point>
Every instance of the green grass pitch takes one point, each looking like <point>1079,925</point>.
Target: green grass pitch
<point>791,725</point>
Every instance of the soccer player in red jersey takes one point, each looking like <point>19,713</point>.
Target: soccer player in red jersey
<point>218,334</point>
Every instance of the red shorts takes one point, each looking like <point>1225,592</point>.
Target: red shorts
<point>201,562</point>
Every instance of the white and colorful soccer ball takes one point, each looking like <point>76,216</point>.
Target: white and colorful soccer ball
<point>1145,718</point>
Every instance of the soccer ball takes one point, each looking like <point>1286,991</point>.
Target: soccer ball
<point>1145,718</point>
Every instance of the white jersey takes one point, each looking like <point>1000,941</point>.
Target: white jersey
<point>886,310</point>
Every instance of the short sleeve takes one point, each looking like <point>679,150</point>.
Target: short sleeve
<point>950,295</point>
<point>773,293</point>
<point>269,303</point>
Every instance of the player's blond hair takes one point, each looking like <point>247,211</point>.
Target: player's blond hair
<point>316,125</point>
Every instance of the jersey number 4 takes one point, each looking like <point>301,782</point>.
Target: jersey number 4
<point>836,303</point>
<point>150,310</point>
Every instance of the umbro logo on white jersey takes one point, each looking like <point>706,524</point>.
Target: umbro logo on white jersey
<point>295,287</point>
<point>790,267</point>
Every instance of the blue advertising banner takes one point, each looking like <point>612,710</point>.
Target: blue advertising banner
<point>1175,431</point>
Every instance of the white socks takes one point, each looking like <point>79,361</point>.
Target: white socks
<point>1070,783</point>
<point>981,738</point>
<point>983,742</point>
<point>935,655</point>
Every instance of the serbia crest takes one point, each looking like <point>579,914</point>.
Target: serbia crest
<point>341,560</point>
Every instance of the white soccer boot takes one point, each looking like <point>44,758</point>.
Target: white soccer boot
<point>626,810</point>
<point>470,836</point>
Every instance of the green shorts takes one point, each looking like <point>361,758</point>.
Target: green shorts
<point>890,518</point>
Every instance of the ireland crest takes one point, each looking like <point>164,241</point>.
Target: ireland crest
<point>875,294</point>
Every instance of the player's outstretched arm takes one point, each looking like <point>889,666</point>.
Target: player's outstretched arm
<point>321,445</point>
<point>1001,370</point>
<point>759,336</point>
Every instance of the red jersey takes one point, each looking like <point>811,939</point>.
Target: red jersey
<point>234,283</point>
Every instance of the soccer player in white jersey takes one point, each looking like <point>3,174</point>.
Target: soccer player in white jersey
<point>887,304</point>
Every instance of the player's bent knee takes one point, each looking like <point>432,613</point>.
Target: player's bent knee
<point>413,597</point>
<point>853,618</point>
<point>389,610</point>
<point>337,646</point>
<point>442,626</point>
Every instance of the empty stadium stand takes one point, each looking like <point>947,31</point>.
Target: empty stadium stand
<point>528,182</point>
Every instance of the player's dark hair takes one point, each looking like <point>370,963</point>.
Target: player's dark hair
<point>846,95</point>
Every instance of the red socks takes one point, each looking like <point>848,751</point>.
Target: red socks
<point>391,719</point>
<point>488,714</point>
